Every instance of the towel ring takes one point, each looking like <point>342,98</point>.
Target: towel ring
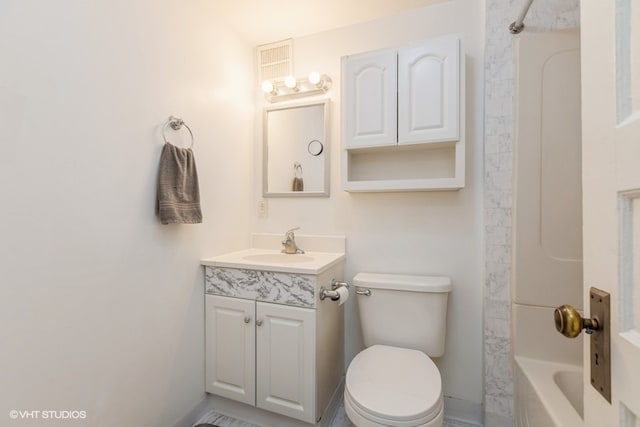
<point>176,124</point>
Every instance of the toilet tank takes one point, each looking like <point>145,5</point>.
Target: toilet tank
<point>403,311</point>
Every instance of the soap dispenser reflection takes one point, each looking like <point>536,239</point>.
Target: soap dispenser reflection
<point>298,182</point>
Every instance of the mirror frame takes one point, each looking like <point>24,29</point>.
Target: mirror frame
<point>325,151</point>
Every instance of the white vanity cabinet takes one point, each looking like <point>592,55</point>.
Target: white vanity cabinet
<point>401,118</point>
<point>230,346</point>
<point>286,360</point>
<point>261,354</point>
<point>270,342</point>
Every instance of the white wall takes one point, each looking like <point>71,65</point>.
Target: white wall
<point>413,233</point>
<point>101,307</point>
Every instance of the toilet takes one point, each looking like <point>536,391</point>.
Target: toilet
<point>393,381</point>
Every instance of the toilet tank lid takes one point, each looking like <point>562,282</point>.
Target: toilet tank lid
<point>403,282</point>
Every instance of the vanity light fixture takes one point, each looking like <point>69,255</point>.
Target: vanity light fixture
<point>292,87</point>
<point>314,78</point>
<point>320,81</point>
<point>267,87</point>
<point>292,83</point>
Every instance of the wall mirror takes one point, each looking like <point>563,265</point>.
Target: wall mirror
<point>295,150</point>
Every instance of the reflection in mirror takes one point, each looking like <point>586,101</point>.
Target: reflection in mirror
<point>295,150</point>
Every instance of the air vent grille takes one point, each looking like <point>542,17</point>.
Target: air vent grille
<point>275,60</point>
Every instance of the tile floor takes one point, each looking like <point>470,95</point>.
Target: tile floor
<point>340,420</point>
<point>219,420</point>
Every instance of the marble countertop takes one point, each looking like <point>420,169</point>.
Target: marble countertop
<point>274,260</point>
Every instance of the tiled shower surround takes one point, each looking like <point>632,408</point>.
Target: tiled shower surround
<point>544,15</point>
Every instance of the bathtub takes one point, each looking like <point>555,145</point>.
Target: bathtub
<point>548,394</point>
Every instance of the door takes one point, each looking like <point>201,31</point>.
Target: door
<point>611,196</point>
<point>370,107</point>
<point>429,91</point>
<point>230,348</point>
<point>285,360</point>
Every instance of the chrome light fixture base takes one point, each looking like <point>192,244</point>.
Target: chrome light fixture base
<point>279,90</point>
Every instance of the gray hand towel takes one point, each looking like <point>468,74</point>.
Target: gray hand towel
<point>178,199</point>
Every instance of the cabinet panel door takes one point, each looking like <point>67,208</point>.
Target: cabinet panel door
<point>230,348</point>
<point>370,94</point>
<point>429,91</point>
<point>285,360</point>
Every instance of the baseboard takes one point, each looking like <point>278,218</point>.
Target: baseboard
<point>194,414</point>
<point>462,413</point>
<point>332,408</point>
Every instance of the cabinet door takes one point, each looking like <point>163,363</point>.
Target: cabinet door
<point>285,360</point>
<point>230,348</point>
<point>429,91</point>
<point>370,94</point>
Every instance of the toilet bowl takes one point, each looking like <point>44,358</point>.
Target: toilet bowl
<point>393,381</point>
<point>391,386</point>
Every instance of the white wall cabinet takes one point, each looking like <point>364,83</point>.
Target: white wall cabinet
<point>371,88</point>
<point>402,111</point>
<point>428,92</point>
<point>262,354</point>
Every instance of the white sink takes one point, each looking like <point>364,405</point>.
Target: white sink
<point>279,258</point>
<point>274,260</point>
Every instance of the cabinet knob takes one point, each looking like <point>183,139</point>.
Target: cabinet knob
<point>247,319</point>
<point>258,322</point>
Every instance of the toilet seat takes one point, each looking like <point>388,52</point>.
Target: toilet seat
<point>394,386</point>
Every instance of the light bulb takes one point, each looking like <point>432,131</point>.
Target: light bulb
<point>267,86</point>
<point>314,78</point>
<point>291,82</point>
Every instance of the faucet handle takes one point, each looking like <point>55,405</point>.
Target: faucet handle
<point>289,243</point>
<point>289,232</point>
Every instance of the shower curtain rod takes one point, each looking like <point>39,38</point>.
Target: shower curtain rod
<point>517,26</point>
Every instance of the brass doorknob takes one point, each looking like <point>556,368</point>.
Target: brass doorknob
<point>569,322</point>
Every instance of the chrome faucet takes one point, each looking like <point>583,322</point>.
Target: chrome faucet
<point>289,243</point>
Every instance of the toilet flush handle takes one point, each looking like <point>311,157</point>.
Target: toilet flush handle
<point>362,291</point>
